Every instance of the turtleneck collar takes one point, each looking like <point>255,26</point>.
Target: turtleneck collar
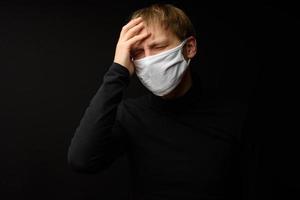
<point>179,103</point>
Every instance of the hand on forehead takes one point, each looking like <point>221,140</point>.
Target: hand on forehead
<point>158,34</point>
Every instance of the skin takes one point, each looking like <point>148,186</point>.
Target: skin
<point>137,40</point>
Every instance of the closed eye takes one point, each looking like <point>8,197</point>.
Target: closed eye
<point>160,47</point>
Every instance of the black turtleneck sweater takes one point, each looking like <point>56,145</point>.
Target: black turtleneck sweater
<point>184,148</point>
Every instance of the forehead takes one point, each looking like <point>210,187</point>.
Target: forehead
<point>158,33</point>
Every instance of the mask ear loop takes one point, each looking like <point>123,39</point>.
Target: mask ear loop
<point>189,60</point>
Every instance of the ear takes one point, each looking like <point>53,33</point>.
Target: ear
<point>190,48</point>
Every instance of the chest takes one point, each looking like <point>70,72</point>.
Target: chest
<point>186,133</point>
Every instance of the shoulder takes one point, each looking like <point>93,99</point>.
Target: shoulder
<point>234,111</point>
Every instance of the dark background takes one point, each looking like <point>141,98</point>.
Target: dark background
<point>53,58</point>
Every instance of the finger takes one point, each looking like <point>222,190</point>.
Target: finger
<point>133,31</point>
<point>137,38</point>
<point>130,24</point>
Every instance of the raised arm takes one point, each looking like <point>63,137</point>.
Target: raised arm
<point>100,139</point>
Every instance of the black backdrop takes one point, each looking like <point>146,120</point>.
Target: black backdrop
<point>53,58</point>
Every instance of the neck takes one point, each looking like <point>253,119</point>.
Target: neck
<point>182,87</point>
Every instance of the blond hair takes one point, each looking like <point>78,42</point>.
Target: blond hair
<point>169,17</point>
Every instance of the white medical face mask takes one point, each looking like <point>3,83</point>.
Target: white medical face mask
<point>162,72</point>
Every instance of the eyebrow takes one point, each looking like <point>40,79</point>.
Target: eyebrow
<point>156,42</point>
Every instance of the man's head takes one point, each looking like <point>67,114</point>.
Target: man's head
<point>168,48</point>
<point>168,26</point>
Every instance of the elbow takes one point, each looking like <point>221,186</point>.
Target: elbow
<point>80,165</point>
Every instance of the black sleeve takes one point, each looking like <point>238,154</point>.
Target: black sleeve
<point>99,139</point>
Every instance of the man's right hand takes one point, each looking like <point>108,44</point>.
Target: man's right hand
<point>128,37</point>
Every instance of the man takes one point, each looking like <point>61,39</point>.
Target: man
<point>181,141</point>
